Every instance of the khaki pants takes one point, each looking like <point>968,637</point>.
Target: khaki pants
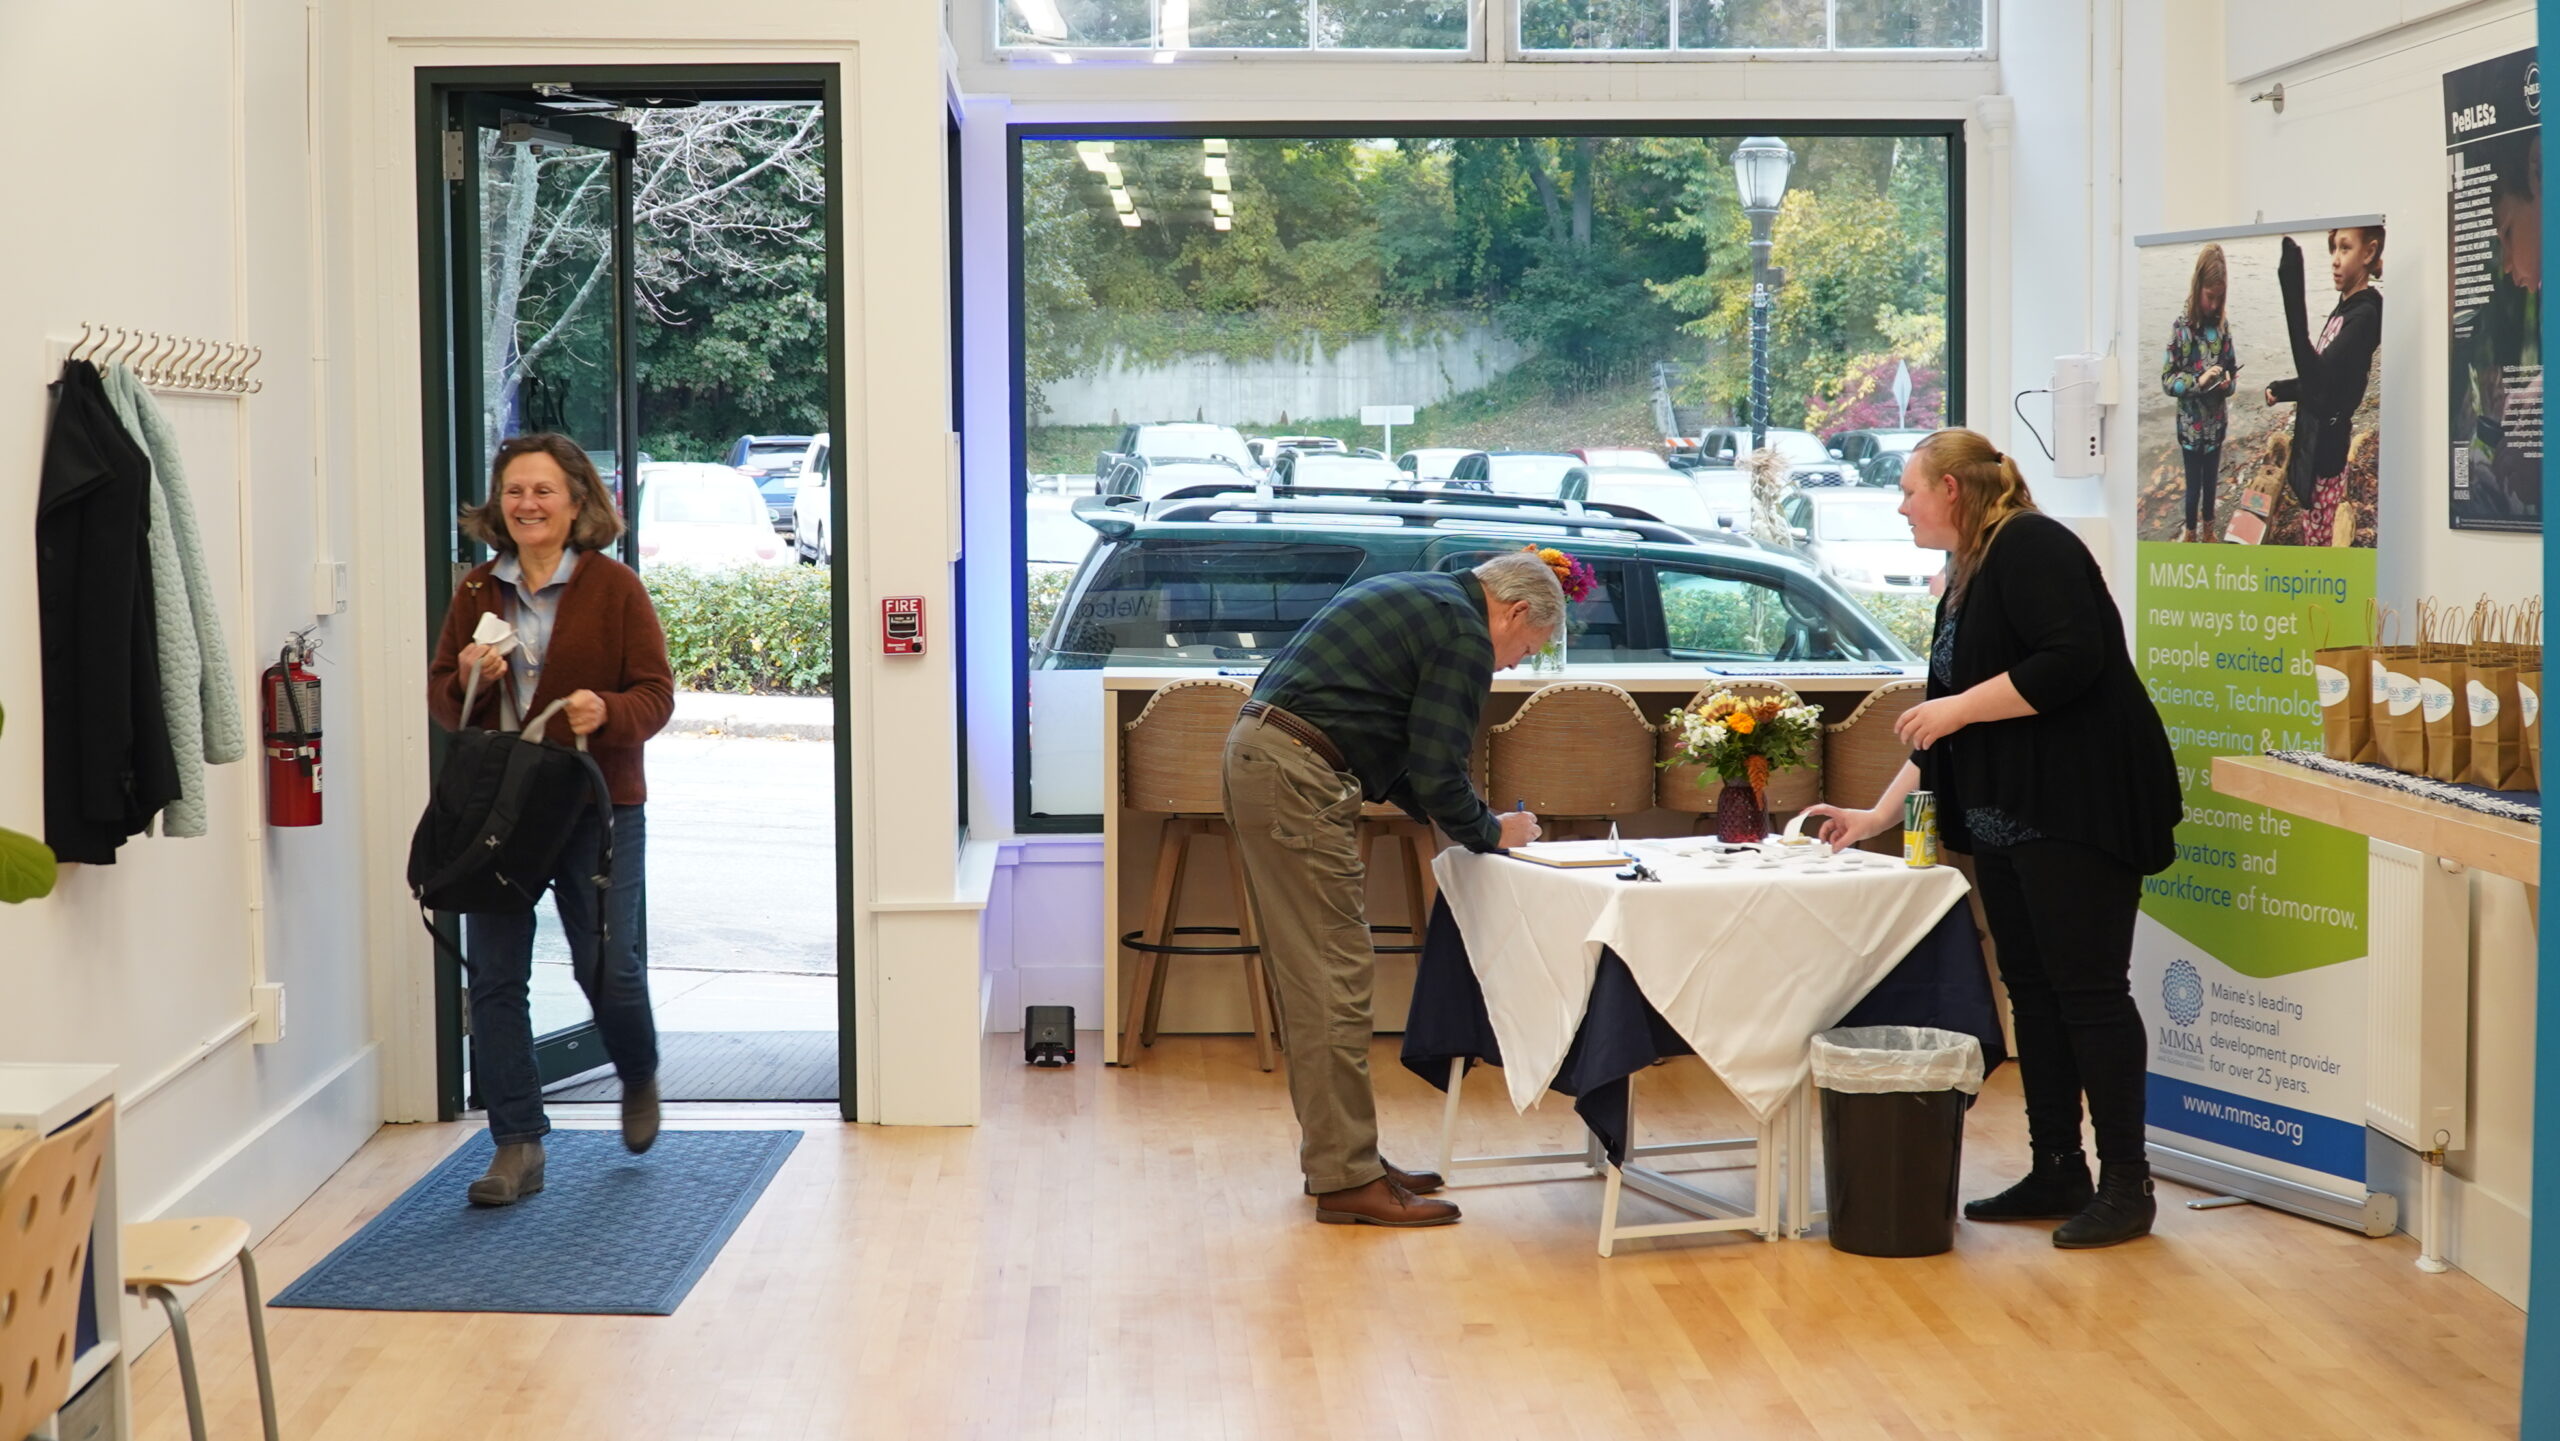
<point>1297,826</point>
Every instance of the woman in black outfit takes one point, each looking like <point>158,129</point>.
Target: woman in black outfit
<point>2051,769</point>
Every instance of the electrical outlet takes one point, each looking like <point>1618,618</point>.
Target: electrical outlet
<point>266,1013</point>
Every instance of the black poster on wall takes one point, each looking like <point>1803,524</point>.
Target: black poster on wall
<point>2493,183</point>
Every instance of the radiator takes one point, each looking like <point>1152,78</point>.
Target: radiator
<point>2417,999</point>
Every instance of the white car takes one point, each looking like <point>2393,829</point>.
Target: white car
<point>1329,468</point>
<point>1425,465</point>
<point>1623,458</point>
<point>703,517</point>
<point>1665,494</point>
<point>811,504</point>
<point>1859,539</point>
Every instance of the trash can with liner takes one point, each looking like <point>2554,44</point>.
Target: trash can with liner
<point>1893,1104</point>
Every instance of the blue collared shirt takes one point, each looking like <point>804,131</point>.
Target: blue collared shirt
<point>534,613</point>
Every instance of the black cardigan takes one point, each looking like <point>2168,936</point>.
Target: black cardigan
<point>2093,764</point>
<point>2327,385</point>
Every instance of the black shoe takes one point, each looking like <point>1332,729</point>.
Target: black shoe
<point>640,1116</point>
<point>2122,1210</point>
<point>2056,1190</point>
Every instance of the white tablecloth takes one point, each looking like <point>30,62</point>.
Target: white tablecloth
<point>1746,961</point>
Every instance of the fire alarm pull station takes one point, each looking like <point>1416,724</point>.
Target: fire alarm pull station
<point>902,625</point>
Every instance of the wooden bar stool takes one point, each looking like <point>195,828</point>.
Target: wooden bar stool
<point>1862,755</point>
<point>1577,751</point>
<point>160,1256</point>
<point>1171,763</point>
<point>1678,787</point>
<point>1384,824</point>
<point>48,1202</point>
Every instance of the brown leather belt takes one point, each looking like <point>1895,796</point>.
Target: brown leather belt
<point>1296,730</point>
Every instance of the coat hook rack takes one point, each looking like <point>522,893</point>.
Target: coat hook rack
<point>176,364</point>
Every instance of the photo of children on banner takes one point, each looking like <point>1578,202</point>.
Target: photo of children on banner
<point>2294,461</point>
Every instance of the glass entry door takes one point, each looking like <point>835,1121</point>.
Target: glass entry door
<point>539,280</point>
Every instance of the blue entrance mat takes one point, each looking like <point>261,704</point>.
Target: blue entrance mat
<point>610,1233</point>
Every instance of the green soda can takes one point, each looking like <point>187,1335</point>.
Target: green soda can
<point>1920,829</point>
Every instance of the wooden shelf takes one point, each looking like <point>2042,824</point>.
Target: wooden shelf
<point>2494,844</point>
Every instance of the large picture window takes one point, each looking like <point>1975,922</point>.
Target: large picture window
<point>1754,26</point>
<point>1256,365</point>
<point>1273,25</point>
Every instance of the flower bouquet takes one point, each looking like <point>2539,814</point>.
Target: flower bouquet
<point>1744,741</point>
<point>1578,581</point>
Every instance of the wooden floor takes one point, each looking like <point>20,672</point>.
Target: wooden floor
<point>1125,1254</point>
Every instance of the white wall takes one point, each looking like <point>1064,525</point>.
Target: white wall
<point>2362,132</point>
<point>187,205</point>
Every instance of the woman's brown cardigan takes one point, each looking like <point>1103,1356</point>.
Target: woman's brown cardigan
<point>605,639</point>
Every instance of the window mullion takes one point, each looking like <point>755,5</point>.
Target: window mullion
<point>1830,24</point>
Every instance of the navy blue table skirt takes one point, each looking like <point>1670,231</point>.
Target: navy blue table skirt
<point>1940,983</point>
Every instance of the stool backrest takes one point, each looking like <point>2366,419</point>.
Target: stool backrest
<point>1575,749</point>
<point>1693,788</point>
<point>1861,755</point>
<point>1173,753</point>
<point>48,1200</point>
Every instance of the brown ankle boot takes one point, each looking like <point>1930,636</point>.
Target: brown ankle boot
<point>1382,1203</point>
<point>514,1173</point>
<point>640,1116</point>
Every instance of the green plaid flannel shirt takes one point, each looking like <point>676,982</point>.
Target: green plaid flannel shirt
<point>1394,670</point>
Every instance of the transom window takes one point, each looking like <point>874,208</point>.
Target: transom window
<point>1558,29</point>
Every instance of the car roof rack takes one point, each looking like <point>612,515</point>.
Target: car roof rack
<point>1571,517</point>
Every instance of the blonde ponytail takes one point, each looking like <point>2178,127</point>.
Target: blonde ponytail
<point>1990,492</point>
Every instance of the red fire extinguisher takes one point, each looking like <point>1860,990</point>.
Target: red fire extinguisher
<point>290,716</point>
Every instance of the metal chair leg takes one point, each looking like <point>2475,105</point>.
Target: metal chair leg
<point>258,1342</point>
<point>186,1357</point>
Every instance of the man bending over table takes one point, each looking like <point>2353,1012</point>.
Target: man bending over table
<point>1376,698</point>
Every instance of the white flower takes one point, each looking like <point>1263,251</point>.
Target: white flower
<point>1710,736</point>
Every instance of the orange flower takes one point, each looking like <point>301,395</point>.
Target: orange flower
<point>1741,724</point>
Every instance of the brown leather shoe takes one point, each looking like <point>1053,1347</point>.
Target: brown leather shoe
<point>1382,1203</point>
<point>1420,1183</point>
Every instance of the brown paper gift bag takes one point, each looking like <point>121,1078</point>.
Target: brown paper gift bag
<point>2399,731</point>
<point>2497,730</point>
<point>2345,690</point>
<point>2444,676</point>
<point>2529,691</point>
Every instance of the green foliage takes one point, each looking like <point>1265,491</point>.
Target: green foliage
<point>26,864</point>
<point>1910,619</point>
<point>1044,586</point>
<point>761,629</point>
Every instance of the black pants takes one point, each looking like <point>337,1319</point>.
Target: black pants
<point>2203,470</point>
<point>2062,916</point>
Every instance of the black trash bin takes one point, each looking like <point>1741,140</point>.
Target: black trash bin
<point>1893,1104</point>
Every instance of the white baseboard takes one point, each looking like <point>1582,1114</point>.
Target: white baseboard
<point>270,1171</point>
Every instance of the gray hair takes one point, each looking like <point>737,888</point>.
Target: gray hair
<point>1522,576</point>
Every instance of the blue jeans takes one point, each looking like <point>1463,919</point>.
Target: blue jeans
<point>614,975</point>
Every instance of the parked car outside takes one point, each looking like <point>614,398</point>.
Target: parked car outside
<point>1623,456</point>
<point>812,505</point>
<point>773,462</point>
<point>1809,461</point>
<point>703,516</point>
<point>1431,464</point>
<point>1877,454</point>
<point>1514,472</point>
<point>1223,581</point>
<point>1178,440</point>
<point>1153,480</point>
<point>1728,498</point>
<point>1268,448</point>
<point>609,469</point>
<point>1665,494</point>
<point>1330,468</point>
<point>1859,539</point>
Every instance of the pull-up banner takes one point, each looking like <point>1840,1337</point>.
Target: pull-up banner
<point>2258,446</point>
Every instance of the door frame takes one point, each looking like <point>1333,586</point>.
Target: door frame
<point>440,481</point>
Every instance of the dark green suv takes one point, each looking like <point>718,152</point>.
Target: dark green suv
<point>1221,577</point>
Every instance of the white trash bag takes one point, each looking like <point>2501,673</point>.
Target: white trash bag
<point>1869,1059</point>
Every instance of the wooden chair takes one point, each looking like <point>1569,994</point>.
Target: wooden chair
<point>1414,843</point>
<point>1862,755</point>
<point>1171,763</point>
<point>160,1256</point>
<point>1577,751</point>
<point>1679,787</point>
<point>48,1204</point>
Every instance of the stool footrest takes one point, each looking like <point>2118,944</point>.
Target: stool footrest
<point>1155,948</point>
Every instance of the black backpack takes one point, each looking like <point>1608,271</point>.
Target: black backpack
<point>502,810</point>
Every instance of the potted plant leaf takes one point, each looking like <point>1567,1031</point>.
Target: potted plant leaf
<point>26,865</point>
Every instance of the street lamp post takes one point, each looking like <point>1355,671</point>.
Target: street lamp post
<point>1760,166</point>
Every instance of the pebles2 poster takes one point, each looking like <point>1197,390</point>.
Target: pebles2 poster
<point>2493,184</point>
<point>2259,507</point>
